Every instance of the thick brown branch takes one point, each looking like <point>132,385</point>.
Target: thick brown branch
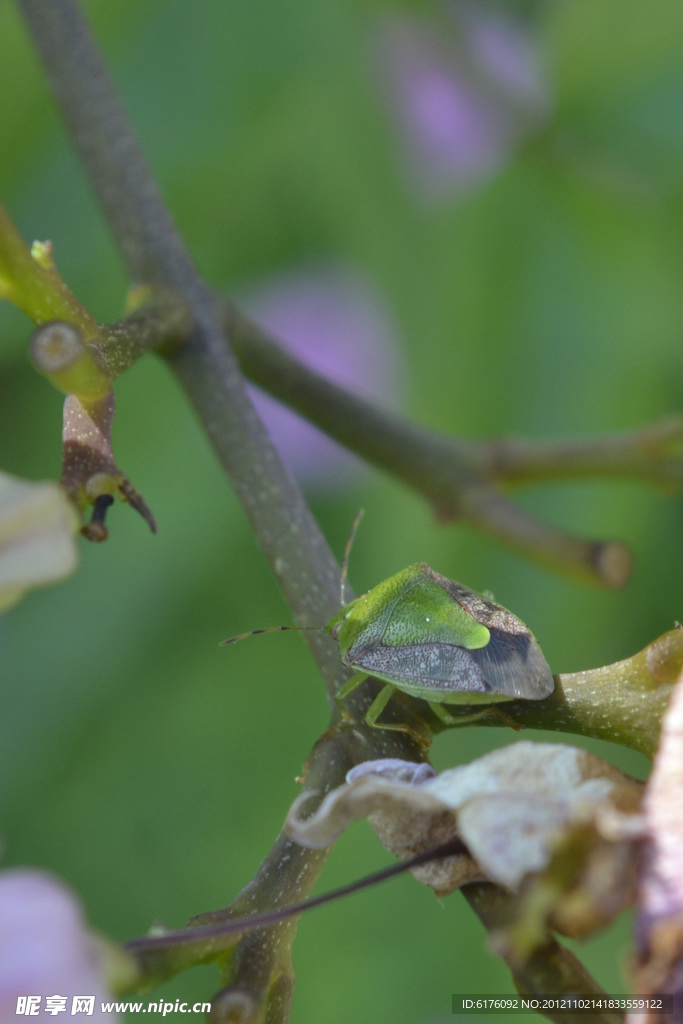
<point>282,522</point>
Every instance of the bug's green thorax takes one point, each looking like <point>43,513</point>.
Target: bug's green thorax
<point>409,608</point>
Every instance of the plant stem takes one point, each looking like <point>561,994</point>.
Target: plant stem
<point>460,477</point>
<point>551,971</point>
<point>287,875</point>
<point>155,254</point>
<point>208,371</point>
<point>651,453</point>
<point>29,279</point>
<point>623,702</point>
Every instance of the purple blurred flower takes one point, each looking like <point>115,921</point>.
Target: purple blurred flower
<point>45,948</point>
<point>333,321</point>
<point>461,102</point>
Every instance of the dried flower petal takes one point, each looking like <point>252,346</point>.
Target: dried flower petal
<point>37,526</point>
<point>660,919</point>
<point>510,807</point>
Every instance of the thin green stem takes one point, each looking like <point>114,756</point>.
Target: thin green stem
<point>29,279</point>
<point>59,351</point>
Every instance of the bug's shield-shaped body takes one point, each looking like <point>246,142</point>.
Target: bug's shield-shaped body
<point>435,639</point>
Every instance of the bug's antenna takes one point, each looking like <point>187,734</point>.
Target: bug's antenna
<point>270,629</point>
<point>452,848</point>
<point>347,552</point>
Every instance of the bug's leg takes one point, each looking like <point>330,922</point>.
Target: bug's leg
<point>507,719</point>
<point>492,709</point>
<point>348,687</point>
<point>377,707</point>
<point>448,719</point>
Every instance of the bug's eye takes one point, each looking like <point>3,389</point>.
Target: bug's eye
<point>335,631</point>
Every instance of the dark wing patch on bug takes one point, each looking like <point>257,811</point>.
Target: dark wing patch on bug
<point>513,664</point>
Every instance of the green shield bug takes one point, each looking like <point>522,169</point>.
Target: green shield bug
<point>433,638</point>
<point>430,637</point>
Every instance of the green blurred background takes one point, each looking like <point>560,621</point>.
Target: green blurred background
<point>147,767</point>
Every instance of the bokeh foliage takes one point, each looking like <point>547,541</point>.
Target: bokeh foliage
<point>140,762</point>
